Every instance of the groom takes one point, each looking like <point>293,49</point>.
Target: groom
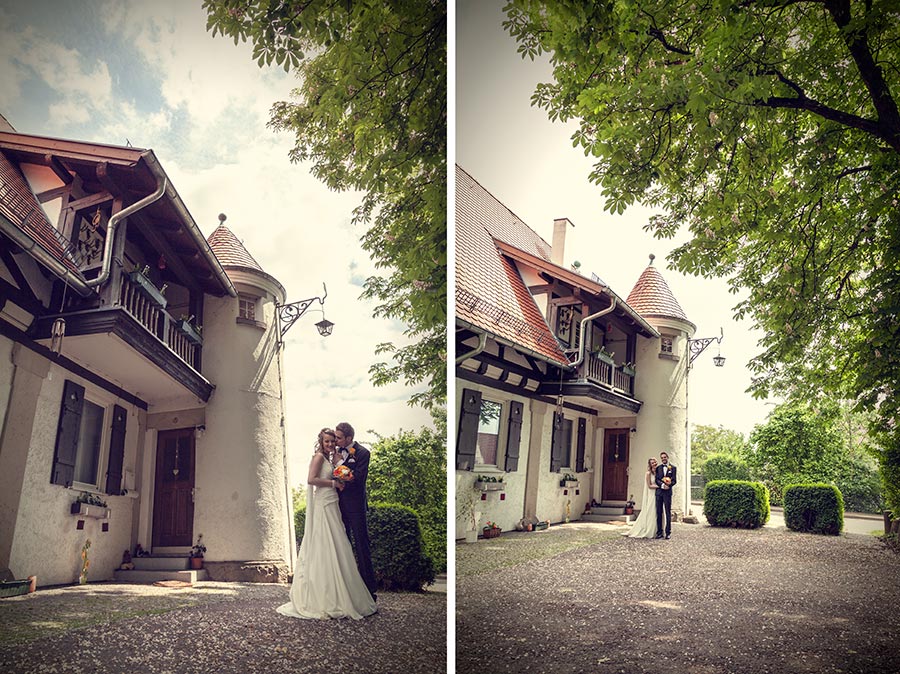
<point>665,480</point>
<point>353,500</point>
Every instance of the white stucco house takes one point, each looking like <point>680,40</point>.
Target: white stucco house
<point>557,374</point>
<point>139,366</point>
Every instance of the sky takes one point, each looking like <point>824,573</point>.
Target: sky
<point>149,74</point>
<point>530,165</point>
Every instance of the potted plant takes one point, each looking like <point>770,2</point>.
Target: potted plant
<point>491,530</point>
<point>568,480</point>
<point>490,483</point>
<point>606,356</point>
<point>197,553</point>
<point>629,506</point>
<point>190,330</point>
<point>146,286</point>
<point>89,505</point>
<point>628,368</point>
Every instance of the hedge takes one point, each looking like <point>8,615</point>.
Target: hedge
<point>814,508</point>
<point>725,467</point>
<point>398,551</point>
<point>736,503</point>
<point>299,523</point>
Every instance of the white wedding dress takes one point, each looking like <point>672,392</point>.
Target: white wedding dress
<point>326,583</point>
<point>645,525</point>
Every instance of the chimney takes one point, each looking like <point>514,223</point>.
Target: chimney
<point>557,254</point>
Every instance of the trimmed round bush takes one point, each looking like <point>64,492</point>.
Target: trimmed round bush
<point>814,508</point>
<point>398,552</point>
<point>736,503</point>
<point>725,467</point>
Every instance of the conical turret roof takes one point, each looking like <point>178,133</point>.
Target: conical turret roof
<point>230,250</point>
<point>651,296</point>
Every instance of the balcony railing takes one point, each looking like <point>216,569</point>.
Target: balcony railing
<point>158,322</point>
<point>598,369</point>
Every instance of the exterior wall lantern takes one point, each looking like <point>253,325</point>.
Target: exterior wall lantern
<point>698,346</point>
<point>288,314</point>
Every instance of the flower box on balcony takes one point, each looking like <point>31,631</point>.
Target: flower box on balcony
<point>629,370</point>
<point>605,357</point>
<point>146,286</point>
<point>88,510</point>
<point>189,331</point>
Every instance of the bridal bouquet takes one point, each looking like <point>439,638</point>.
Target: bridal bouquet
<point>667,480</point>
<point>342,473</point>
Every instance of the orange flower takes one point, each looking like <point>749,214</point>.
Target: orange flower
<point>343,474</point>
<point>351,450</point>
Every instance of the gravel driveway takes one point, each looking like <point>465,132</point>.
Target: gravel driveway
<point>213,627</point>
<point>708,601</point>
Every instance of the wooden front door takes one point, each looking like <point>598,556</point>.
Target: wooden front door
<point>173,501</point>
<point>615,465</point>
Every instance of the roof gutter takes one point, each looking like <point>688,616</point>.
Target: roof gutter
<point>103,276</point>
<point>41,254</point>
<point>192,228</point>
<point>482,342</point>
<point>584,322</point>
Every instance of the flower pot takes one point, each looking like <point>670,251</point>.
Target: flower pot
<point>190,332</point>
<point>146,286</point>
<point>196,563</point>
<point>491,533</point>
<point>471,536</point>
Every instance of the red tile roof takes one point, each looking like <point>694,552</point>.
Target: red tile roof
<point>19,205</point>
<point>490,293</point>
<point>230,250</point>
<point>651,296</point>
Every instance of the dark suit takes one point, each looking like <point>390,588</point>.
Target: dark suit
<point>664,498</point>
<point>354,505</point>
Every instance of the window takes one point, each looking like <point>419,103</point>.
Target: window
<point>665,343</point>
<point>247,307</point>
<point>90,441</point>
<point>88,446</point>
<point>560,443</point>
<point>488,432</point>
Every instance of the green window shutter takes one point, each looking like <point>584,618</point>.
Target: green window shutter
<point>514,437</point>
<point>116,451</point>
<point>556,444</point>
<point>579,445</point>
<point>67,433</point>
<point>467,437</point>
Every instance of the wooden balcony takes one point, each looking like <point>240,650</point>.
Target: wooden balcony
<point>135,343</point>
<point>599,370</point>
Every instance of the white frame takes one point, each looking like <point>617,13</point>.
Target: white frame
<point>105,402</point>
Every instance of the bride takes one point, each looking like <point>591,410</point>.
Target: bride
<point>645,525</point>
<point>326,583</point>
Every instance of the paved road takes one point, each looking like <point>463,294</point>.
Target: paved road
<point>854,523</point>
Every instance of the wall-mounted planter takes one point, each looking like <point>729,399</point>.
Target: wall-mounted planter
<point>146,286</point>
<point>87,510</point>
<point>490,486</point>
<point>190,332</point>
<point>568,484</point>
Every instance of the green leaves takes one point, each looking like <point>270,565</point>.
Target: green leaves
<point>769,132</point>
<point>370,114</point>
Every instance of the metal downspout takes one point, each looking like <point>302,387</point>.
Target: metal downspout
<point>584,322</point>
<point>114,222</point>
<point>482,342</point>
<point>41,255</point>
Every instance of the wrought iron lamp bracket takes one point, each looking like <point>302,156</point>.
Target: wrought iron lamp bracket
<point>698,346</point>
<point>290,313</point>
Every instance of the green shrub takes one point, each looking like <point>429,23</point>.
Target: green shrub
<point>860,485</point>
<point>725,467</point>
<point>398,553</point>
<point>736,503</point>
<point>816,508</point>
<point>299,522</point>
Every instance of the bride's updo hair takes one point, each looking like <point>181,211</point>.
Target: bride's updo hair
<point>320,442</point>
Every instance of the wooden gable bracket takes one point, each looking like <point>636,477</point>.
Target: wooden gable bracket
<point>57,167</point>
<point>173,260</point>
<point>106,180</point>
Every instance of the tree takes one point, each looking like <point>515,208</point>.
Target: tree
<point>770,130</point>
<point>709,440</point>
<point>411,469</point>
<point>371,115</point>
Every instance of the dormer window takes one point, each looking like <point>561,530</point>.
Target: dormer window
<point>247,307</point>
<point>666,343</point>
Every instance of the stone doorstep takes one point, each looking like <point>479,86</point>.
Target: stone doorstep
<point>590,517</point>
<point>150,577</point>
<point>160,563</point>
